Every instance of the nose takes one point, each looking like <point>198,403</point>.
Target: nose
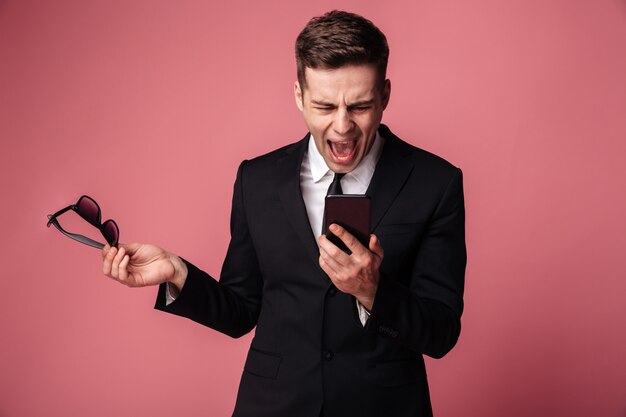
<point>343,121</point>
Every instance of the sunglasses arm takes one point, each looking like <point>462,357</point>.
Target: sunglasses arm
<point>80,238</point>
<point>53,217</point>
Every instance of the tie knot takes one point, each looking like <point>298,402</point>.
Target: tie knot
<point>335,186</point>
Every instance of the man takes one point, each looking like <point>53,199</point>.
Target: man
<point>336,334</point>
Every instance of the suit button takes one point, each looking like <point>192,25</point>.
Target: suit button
<point>332,291</point>
<point>328,355</point>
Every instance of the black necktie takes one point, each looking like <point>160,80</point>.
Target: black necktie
<point>335,186</point>
<point>333,189</point>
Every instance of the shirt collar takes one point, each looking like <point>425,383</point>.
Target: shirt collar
<point>362,173</point>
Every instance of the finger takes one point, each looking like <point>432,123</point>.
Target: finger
<point>116,263</point>
<point>330,260</point>
<point>348,239</point>
<point>332,251</point>
<point>108,262</point>
<point>332,269</point>
<point>375,247</point>
<point>123,268</point>
<point>326,268</point>
<point>105,250</point>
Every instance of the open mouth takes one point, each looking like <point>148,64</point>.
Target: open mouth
<point>342,151</point>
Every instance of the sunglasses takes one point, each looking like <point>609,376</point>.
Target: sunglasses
<point>89,210</point>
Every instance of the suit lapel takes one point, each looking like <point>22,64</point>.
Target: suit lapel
<point>391,173</point>
<point>291,196</point>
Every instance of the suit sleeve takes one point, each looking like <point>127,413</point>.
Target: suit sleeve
<point>232,305</point>
<point>425,315</point>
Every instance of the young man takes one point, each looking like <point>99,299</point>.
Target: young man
<point>336,334</point>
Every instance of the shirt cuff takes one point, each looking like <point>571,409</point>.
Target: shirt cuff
<point>170,294</point>
<point>364,315</point>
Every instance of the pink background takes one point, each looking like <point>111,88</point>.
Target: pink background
<point>149,106</point>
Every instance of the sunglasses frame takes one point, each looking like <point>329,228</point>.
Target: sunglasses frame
<point>52,220</point>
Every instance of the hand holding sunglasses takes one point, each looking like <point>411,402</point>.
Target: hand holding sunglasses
<point>141,264</point>
<point>134,264</point>
<point>89,210</point>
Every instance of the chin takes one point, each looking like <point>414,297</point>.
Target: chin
<point>343,168</point>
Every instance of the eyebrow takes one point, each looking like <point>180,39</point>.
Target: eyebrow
<point>355,104</point>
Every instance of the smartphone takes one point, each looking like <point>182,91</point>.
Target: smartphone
<point>350,211</point>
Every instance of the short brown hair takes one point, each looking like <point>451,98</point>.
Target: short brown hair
<point>340,38</point>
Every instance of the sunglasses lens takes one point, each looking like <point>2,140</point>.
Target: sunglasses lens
<point>110,232</point>
<point>89,210</point>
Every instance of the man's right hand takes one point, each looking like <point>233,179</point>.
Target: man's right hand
<point>139,265</point>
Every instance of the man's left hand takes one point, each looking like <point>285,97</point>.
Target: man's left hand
<point>358,273</point>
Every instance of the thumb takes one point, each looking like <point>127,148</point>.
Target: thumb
<point>375,247</point>
<point>130,248</point>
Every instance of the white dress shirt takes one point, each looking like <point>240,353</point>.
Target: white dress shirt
<point>315,178</point>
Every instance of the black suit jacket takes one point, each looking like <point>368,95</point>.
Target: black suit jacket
<point>310,349</point>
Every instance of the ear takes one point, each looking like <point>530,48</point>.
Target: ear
<point>297,92</point>
<point>386,93</point>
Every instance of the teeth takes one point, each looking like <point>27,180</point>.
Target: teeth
<point>343,149</point>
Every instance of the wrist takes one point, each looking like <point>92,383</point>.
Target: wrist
<point>180,272</point>
<point>367,303</point>
<point>367,299</point>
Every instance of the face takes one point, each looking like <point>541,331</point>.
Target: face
<point>342,108</point>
